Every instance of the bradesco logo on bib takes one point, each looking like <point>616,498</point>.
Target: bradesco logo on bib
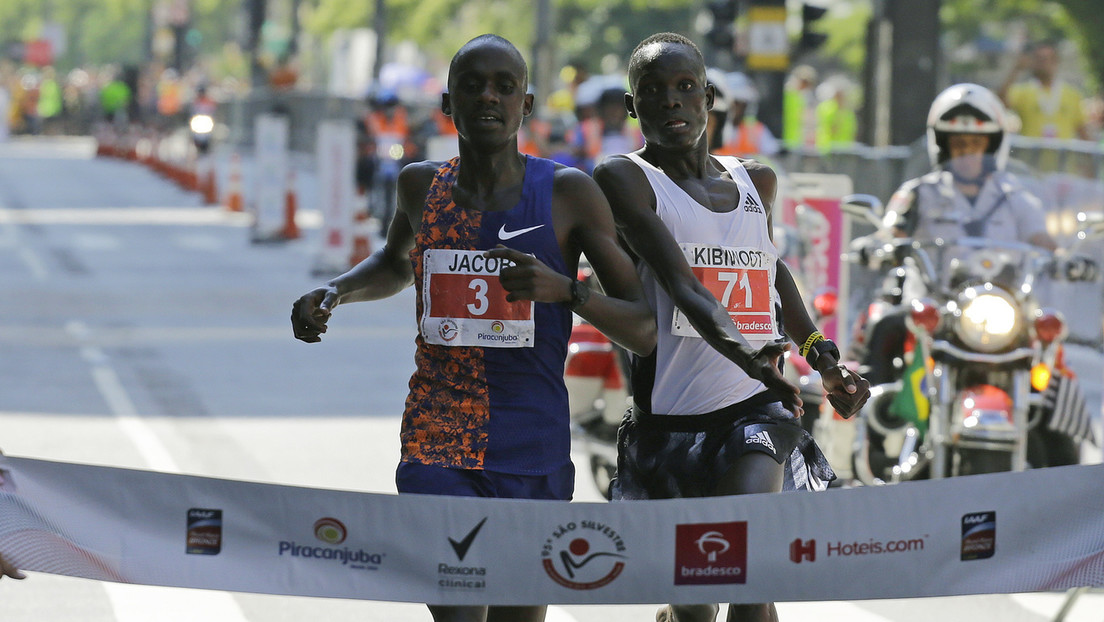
<point>464,304</point>
<point>742,279</point>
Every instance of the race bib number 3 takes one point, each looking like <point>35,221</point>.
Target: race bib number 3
<point>464,304</point>
<point>743,280</point>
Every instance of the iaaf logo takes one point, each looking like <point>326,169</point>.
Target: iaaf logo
<point>711,553</point>
<point>583,556</point>
<point>204,532</point>
<point>979,535</point>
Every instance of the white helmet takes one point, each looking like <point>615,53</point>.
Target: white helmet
<point>967,109</point>
<point>741,88</point>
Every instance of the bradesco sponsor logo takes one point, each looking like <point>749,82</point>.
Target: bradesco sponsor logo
<point>454,575</point>
<point>711,553</point>
<point>806,550</point>
<point>979,535</point>
<point>584,555</point>
<point>332,532</point>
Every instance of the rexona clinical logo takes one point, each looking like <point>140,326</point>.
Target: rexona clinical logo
<point>456,574</point>
<point>584,555</point>
<point>711,553</point>
<point>331,533</point>
<point>979,535</point>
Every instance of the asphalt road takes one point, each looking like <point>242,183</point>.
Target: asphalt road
<point>141,329</point>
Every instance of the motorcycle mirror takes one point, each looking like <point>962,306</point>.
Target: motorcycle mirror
<point>865,206</point>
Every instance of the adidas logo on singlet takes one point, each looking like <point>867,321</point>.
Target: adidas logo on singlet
<point>762,438</point>
<point>751,205</point>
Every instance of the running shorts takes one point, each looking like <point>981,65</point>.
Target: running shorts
<point>676,456</point>
<point>412,477</point>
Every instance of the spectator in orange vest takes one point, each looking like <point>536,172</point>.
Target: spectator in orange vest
<point>744,135</point>
<point>283,76</point>
<point>388,126</point>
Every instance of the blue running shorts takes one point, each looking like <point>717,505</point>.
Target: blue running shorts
<point>412,477</point>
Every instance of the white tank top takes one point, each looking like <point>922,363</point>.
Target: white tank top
<point>732,254</point>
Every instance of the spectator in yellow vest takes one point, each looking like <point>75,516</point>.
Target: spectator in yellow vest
<point>799,108</point>
<point>836,122</point>
<point>1047,106</point>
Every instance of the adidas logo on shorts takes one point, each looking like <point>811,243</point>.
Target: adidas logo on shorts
<point>763,439</point>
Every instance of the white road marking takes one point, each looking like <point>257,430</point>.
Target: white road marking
<point>125,216</point>
<point>10,239</point>
<point>137,603</point>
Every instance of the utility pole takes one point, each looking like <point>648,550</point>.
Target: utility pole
<point>544,27</point>
<point>379,24</point>
<point>256,17</point>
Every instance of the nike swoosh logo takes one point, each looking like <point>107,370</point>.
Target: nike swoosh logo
<point>462,546</point>
<point>503,234</point>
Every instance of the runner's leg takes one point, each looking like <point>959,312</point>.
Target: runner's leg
<point>751,473</point>
<point>516,614</point>
<point>442,613</point>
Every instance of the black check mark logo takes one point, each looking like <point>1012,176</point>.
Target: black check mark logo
<point>462,546</point>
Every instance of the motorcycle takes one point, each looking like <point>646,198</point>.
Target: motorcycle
<point>202,127</point>
<point>987,356</point>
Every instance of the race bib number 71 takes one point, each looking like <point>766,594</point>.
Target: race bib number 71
<point>743,280</point>
<point>464,304</point>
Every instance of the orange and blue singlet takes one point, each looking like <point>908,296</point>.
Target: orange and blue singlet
<point>488,392</point>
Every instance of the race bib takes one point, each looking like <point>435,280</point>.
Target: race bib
<point>464,303</point>
<point>743,280</point>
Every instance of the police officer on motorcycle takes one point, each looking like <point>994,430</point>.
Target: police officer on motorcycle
<point>968,193</point>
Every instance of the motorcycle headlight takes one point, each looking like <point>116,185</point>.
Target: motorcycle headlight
<point>202,124</point>
<point>987,320</point>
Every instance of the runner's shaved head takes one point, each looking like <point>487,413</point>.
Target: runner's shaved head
<point>486,41</point>
<point>647,50</point>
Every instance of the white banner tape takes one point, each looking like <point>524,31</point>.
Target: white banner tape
<point>1009,532</point>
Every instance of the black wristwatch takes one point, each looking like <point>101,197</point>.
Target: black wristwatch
<point>821,347</point>
<point>580,293</point>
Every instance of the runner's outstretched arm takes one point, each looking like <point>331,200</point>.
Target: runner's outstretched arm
<point>384,273</point>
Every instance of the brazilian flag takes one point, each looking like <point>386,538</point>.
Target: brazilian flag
<point>912,403</point>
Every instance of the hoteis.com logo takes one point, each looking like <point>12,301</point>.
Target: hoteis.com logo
<point>711,553</point>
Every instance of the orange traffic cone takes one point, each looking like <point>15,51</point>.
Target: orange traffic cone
<point>234,201</point>
<point>362,244</point>
<point>291,229</point>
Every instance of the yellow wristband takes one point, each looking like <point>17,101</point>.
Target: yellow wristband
<point>813,339</point>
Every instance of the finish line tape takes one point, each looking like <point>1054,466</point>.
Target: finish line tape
<point>1009,532</point>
